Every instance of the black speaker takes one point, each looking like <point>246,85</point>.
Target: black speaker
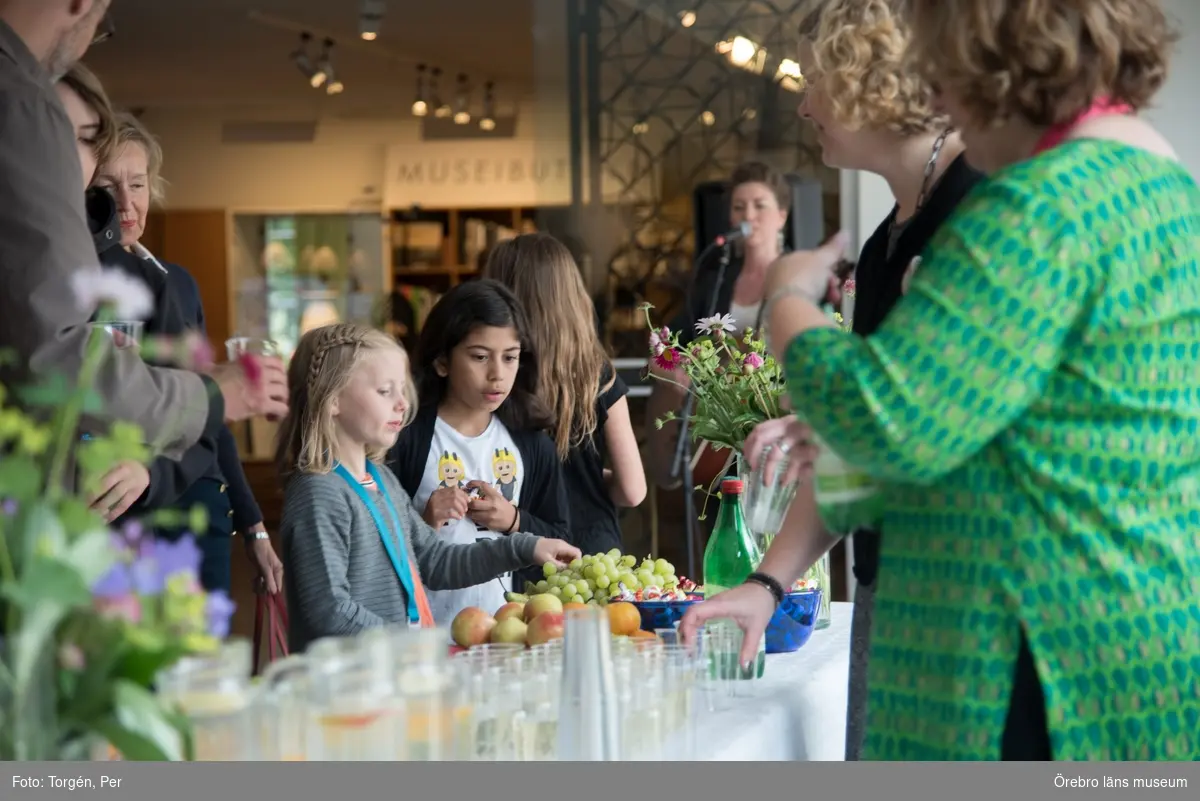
<point>805,228</point>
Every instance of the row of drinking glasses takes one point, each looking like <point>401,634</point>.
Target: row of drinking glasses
<point>395,694</point>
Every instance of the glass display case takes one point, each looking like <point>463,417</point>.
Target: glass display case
<point>295,272</point>
<point>290,273</point>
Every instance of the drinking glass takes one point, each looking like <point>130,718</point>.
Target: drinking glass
<point>236,347</point>
<point>589,718</point>
<point>283,710</point>
<point>124,333</point>
<point>765,505</point>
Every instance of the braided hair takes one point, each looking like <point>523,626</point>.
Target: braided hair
<point>321,367</point>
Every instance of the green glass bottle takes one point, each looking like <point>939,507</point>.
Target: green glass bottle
<point>731,555</point>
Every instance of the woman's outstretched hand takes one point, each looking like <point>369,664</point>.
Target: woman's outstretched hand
<point>772,440</point>
<point>750,606</point>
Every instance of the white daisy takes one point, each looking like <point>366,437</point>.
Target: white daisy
<point>127,297</point>
<point>718,322</point>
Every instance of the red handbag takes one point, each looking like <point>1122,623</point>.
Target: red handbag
<point>274,610</point>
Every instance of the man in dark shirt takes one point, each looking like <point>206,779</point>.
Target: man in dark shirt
<point>45,240</point>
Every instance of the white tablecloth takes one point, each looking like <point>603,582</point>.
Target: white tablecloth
<point>797,711</point>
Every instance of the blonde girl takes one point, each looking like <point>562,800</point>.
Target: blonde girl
<point>357,555</point>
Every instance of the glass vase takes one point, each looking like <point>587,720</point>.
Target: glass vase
<point>819,573</point>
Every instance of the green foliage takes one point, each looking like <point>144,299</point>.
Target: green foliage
<point>72,674</point>
<point>737,384</point>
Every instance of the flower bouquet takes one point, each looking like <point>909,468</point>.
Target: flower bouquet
<point>735,382</point>
<point>89,617</point>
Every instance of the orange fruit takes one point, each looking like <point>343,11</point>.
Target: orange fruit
<point>641,634</point>
<point>574,606</point>
<point>624,618</point>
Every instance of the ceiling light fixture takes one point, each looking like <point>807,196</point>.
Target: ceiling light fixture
<point>462,114</point>
<point>440,107</point>
<point>687,18</point>
<point>301,58</point>
<point>324,67</point>
<point>488,121</point>
<point>420,107</point>
<point>370,19</point>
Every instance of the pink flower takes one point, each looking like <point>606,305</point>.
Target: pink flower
<point>253,369</point>
<point>659,339</point>
<point>669,359</point>
<point>753,361</point>
<point>124,607</point>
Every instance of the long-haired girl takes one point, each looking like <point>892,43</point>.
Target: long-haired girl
<point>357,554</point>
<point>577,380</point>
<point>477,459</point>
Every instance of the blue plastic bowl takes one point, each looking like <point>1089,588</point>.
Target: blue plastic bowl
<point>662,614</point>
<point>793,622</point>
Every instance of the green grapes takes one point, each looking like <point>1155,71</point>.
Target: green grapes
<point>596,578</point>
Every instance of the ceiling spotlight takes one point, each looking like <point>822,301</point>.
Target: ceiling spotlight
<point>462,115</point>
<point>301,58</point>
<point>708,118</point>
<point>335,87</point>
<point>488,121</point>
<point>440,108</point>
<point>370,19</point>
<point>420,107</point>
<point>687,18</point>
<point>324,67</point>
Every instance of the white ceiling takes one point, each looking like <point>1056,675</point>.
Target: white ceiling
<point>235,53</point>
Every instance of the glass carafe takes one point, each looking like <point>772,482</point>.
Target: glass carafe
<point>214,691</point>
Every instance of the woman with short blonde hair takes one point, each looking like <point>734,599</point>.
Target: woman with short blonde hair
<point>872,112</point>
<point>1031,405</point>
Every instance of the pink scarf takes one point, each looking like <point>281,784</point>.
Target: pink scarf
<point>1058,133</point>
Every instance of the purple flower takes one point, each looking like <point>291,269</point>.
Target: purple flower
<point>753,361</point>
<point>9,507</point>
<point>116,583</point>
<point>219,609</point>
<point>181,556</point>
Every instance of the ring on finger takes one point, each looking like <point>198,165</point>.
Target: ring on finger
<point>784,447</point>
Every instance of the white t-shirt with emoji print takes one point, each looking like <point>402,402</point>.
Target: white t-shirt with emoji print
<point>456,460</point>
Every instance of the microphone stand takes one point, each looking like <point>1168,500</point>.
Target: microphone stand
<point>682,463</point>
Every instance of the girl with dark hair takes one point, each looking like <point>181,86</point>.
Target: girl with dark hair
<point>477,459</point>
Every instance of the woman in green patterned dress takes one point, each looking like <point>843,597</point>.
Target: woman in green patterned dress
<point>1033,403</point>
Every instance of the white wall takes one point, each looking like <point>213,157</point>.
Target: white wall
<point>1176,110</point>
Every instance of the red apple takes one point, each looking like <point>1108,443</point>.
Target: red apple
<point>511,609</point>
<point>472,626</point>
<point>545,627</point>
<point>541,605</point>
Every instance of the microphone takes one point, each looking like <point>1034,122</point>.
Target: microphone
<point>741,232</point>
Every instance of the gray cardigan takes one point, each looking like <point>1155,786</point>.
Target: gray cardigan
<point>337,575</point>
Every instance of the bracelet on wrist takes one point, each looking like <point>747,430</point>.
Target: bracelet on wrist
<point>769,582</point>
<point>516,519</point>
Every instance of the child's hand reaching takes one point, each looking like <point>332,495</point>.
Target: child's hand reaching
<point>119,489</point>
<point>557,551</point>
<point>491,509</point>
<point>444,505</point>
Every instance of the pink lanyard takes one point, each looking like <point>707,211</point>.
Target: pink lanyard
<point>1058,133</point>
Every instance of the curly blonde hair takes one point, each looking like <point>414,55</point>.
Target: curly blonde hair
<point>320,369</point>
<point>1044,61</point>
<point>859,49</point>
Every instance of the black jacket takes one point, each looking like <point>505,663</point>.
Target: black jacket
<point>168,478</point>
<point>246,512</point>
<point>544,509</point>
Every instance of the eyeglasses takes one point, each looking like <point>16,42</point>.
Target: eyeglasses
<point>106,28</point>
